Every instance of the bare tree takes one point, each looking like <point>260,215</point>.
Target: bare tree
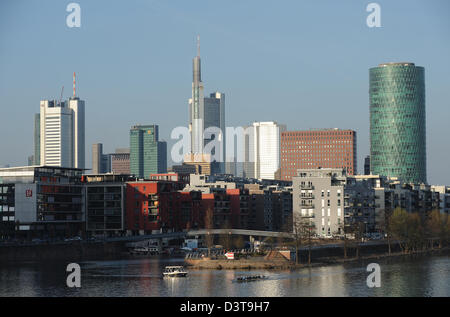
<point>310,227</point>
<point>358,229</point>
<point>385,229</point>
<point>342,230</point>
<point>225,239</point>
<point>209,224</point>
<point>302,232</point>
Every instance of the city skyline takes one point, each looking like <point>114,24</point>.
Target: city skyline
<point>296,85</point>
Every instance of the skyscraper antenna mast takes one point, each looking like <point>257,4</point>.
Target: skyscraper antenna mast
<point>198,45</point>
<point>74,84</point>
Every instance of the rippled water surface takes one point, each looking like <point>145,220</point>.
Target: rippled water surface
<point>411,276</point>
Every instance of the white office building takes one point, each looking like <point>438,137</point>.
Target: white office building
<point>62,133</point>
<point>262,150</point>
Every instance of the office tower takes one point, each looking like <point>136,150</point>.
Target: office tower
<point>196,106</point>
<point>214,117</point>
<point>148,155</point>
<point>78,131</point>
<point>101,163</point>
<point>30,160</point>
<point>318,148</point>
<point>56,134</point>
<point>37,139</point>
<point>207,114</point>
<point>367,165</point>
<point>97,153</point>
<point>62,139</point>
<point>262,150</point>
<point>120,161</point>
<point>397,121</point>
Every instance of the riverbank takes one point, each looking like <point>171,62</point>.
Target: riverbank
<point>261,262</point>
<point>74,251</point>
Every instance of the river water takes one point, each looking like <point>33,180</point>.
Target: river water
<point>423,275</point>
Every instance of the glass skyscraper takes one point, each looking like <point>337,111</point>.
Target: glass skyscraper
<point>397,121</point>
<point>148,155</point>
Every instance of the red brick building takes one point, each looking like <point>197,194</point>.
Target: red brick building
<point>152,206</point>
<point>328,148</point>
<point>229,208</point>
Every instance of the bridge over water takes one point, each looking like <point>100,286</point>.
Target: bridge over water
<point>201,232</point>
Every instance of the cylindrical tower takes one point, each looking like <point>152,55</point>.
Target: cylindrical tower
<point>397,121</point>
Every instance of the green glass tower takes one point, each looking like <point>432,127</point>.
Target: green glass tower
<point>148,155</point>
<point>397,121</point>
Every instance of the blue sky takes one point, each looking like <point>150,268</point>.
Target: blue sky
<point>301,63</point>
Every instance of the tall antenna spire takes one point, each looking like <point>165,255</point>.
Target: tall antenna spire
<point>198,45</point>
<point>74,84</point>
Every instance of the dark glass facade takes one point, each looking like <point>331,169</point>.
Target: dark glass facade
<point>397,121</point>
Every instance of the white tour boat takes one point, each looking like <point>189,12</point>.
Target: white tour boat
<point>174,271</point>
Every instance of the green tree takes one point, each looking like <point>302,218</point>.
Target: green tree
<point>398,224</point>
<point>436,226</point>
<point>407,229</point>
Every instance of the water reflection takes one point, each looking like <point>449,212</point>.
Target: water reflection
<point>418,276</point>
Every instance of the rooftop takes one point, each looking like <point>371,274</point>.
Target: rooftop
<point>396,64</point>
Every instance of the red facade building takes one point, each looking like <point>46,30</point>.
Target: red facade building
<point>329,148</point>
<point>154,206</point>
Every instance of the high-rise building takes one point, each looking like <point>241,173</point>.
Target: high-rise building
<point>262,150</point>
<point>397,121</point>
<point>367,165</point>
<point>120,161</point>
<point>148,155</point>
<point>207,120</point>
<point>214,117</point>
<point>197,107</point>
<point>78,131</point>
<point>97,152</point>
<point>30,160</point>
<point>322,148</point>
<point>101,163</point>
<point>61,134</point>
